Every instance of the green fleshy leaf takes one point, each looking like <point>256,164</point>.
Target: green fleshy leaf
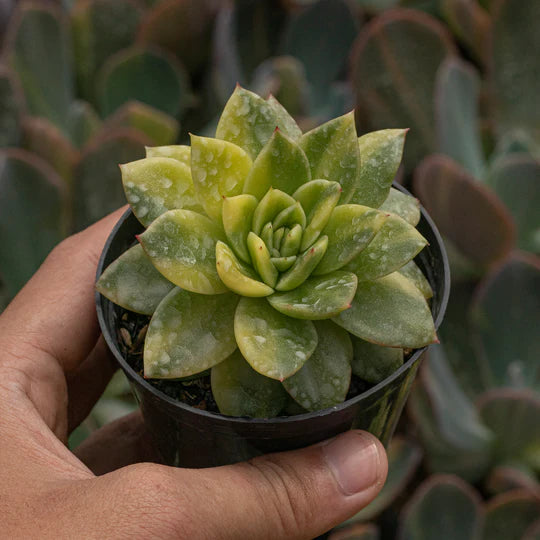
<point>291,241</point>
<point>324,380</point>
<point>237,217</point>
<point>511,178</point>
<point>267,236</point>
<point>350,229</point>
<point>393,246</point>
<point>237,276</point>
<point>270,206</point>
<point>390,311</point>
<point>457,115</point>
<point>249,121</point>
<point>290,217</point>
<point>182,246</point>
<point>394,84</point>
<point>374,363</point>
<point>149,76</point>
<point>132,281</point>
<point>155,185</point>
<point>318,297</point>
<point>281,164</point>
<point>405,206</point>
<point>288,123</point>
<point>32,202</point>
<point>97,182</point>
<point>219,169</point>
<point>381,153</point>
<point>260,257</point>
<point>10,130</point>
<point>318,199</point>
<point>240,391</point>
<point>38,49</point>
<point>504,311</point>
<point>188,334</point>
<point>159,127</point>
<point>303,266</point>
<point>509,516</point>
<point>333,154</point>
<point>179,152</point>
<point>274,345</point>
<point>97,36</point>
<point>413,272</point>
<point>282,264</point>
<point>447,496</point>
<point>83,122</point>
<point>278,237</point>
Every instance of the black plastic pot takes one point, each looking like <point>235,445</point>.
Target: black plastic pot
<point>189,437</point>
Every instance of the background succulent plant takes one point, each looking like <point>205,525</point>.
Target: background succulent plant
<point>265,243</point>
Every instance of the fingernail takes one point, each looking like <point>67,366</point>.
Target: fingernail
<point>354,460</point>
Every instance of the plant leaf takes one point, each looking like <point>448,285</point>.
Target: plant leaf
<point>149,76</point>
<point>182,246</point>
<point>457,115</point>
<point>237,217</point>
<point>514,75</point>
<point>509,515</point>
<point>412,271</point>
<point>155,185</point>
<point>505,309</point>
<point>97,36</point>
<point>270,206</point>
<point>159,127</point>
<point>350,229</point>
<point>180,152</point>
<point>83,122</point>
<point>10,112</point>
<point>318,297</point>
<point>394,245</point>
<point>97,184</point>
<point>283,263</point>
<point>511,177</point>
<point>274,345</point>
<point>303,266</point>
<point>389,311</point>
<point>373,363</point>
<point>132,281</point>
<point>281,164</point>
<point>468,213</point>
<point>32,203</point>
<point>240,391</point>
<point>189,333</point>
<point>249,121</point>
<point>323,381</point>
<point>318,199</point>
<point>442,495</point>
<point>333,154</point>
<point>291,241</point>
<point>237,276</point>
<point>405,206</point>
<point>38,49</point>
<point>380,152</point>
<point>219,169</point>
<point>394,82</point>
<point>260,257</point>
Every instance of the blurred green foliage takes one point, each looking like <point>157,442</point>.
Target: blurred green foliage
<point>86,84</point>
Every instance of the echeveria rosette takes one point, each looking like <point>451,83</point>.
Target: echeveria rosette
<point>265,249</point>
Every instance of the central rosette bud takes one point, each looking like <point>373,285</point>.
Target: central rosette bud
<point>279,238</point>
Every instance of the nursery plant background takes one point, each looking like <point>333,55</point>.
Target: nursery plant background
<point>86,84</point>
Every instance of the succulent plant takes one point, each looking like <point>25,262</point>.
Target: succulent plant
<point>261,255</point>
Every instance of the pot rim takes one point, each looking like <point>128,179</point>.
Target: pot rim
<point>101,303</point>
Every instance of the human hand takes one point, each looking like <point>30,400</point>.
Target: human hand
<point>53,368</point>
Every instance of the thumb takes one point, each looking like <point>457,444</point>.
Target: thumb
<point>298,494</point>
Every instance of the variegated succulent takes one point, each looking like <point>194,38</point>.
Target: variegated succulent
<point>280,260</point>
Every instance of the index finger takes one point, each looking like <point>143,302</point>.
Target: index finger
<point>54,312</point>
